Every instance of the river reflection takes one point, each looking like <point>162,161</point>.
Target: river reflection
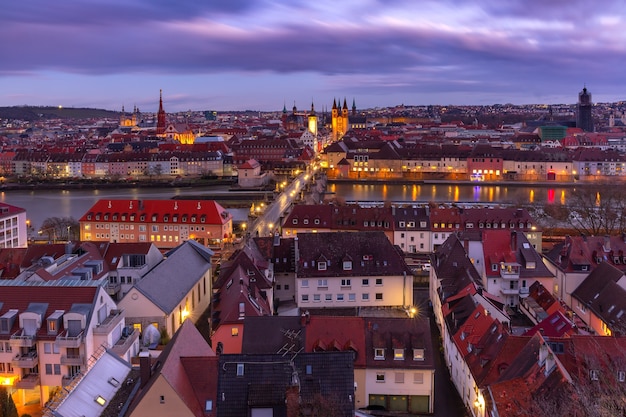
<point>460,193</point>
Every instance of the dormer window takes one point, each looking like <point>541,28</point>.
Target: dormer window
<point>379,354</point>
<point>418,354</point>
<point>294,221</point>
<point>401,224</point>
<point>154,217</point>
<point>494,267</point>
<point>321,266</point>
<point>316,221</point>
<point>305,221</point>
<point>347,265</point>
<point>398,354</point>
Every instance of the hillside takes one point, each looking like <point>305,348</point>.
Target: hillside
<point>40,112</point>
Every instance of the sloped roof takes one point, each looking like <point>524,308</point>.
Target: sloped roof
<point>171,280</point>
<point>372,254</point>
<point>189,365</point>
<point>188,211</point>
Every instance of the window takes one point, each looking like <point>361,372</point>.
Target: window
<point>345,282</point>
<point>379,296</point>
<point>47,348</point>
<point>379,281</point>
<point>380,377</point>
<point>494,267</point>
<point>208,405</point>
<point>366,282</point>
<point>621,376</point>
<point>322,282</point>
<point>102,401</point>
<point>305,298</point>
<point>328,297</point>
<point>309,369</point>
<point>593,374</point>
<point>316,297</point>
<point>398,354</point>
<point>365,296</point>
<point>48,369</point>
<point>347,265</point>
<point>352,297</point>
<point>240,369</point>
<point>339,297</point>
<point>321,266</point>
<point>305,283</point>
<point>399,377</point>
<point>418,378</point>
<point>379,353</point>
<point>234,331</point>
<point>418,354</point>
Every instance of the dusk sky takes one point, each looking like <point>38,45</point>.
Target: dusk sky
<point>262,54</point>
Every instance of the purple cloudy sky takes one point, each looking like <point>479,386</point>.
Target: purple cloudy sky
<point>260,54</point>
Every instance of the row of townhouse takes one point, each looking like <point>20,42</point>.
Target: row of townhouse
<point>13,227</point>
<point>122,164</point>
<point>590,279</point>
<point>500,369</point>
<point>188,378</point>
<point>354,273</point>
<point>352,159</point>
<point>349,270</point>
<point>165,223</point>
<point>59,310</point>
<point>415,229</point>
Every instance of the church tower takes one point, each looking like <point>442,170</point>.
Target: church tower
<point>313,120</point>
<point>160,116</point>
<point>334,119</point>
<point>584,119</point>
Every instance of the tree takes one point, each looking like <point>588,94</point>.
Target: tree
<point>59,228</point>
<point>7,406</point>
<point>590,210</point>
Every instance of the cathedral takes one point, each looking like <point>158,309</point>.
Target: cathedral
<point>343,120</point>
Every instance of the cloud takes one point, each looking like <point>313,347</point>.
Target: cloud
<point>394,46</point>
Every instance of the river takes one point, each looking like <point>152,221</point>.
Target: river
<point>41,204</point>
<point>445,192</point>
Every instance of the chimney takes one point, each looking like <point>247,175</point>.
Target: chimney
<point>513,240</point>
<point>543,353</point>
<point>145,367</point>
<point>550,363</point>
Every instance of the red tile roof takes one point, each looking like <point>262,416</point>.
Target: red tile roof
<point>186,211</point>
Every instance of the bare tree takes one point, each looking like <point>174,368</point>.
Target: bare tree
<point>60,228</point>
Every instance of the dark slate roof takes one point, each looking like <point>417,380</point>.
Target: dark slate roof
<point>272,334</point>
<point>601,293</point>
<point>266,380</point>
<point>398,333</point>
<point>171,280</point>
<point>370,253</point>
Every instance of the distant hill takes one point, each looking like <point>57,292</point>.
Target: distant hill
<point>40,112</point>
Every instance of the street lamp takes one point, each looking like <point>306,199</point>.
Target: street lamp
<point>68,233</point>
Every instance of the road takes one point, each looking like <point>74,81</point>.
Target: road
<point>269,221</point>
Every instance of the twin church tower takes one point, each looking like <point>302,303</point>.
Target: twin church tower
<point>341,119</point>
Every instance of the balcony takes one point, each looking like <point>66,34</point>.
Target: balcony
<point>509,291</point>
<point>124,344</point>
<point>107,326</point>
<point>26,360</point>
<point>30,381</point>
<point>73,360</point>
<point>113,288</point>
<point>65,341</point>
<point>20,339</point>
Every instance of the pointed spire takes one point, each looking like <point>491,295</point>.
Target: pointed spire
<point>345,104</point>
<point>284,107</point>
<point>334,103</point>
<point>161,100</point>
<point>312,108</point>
